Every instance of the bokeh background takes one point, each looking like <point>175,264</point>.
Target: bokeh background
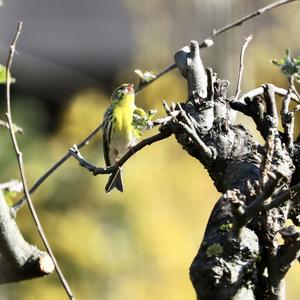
<point>71,55</point>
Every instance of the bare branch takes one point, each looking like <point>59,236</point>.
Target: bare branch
<point>272,123</point>
<point>190,65</point>
<point>294,89</point>
<point>18,205</point>
<point>209,40</point>
<point>15,127</point>
<point>284,196</point>
<point>74,151</point>
<point>19,155</point>
<point>266,163</point>
<point>271,110</point>
<point>257,204</point>
<point>259,12</point>
<point>18,260</point>
<point>160,74</point>
<point>259,91</point>
<point>190,129</point>
<point>288,120</point>
<point>241,69</point>
<point>36,185</point>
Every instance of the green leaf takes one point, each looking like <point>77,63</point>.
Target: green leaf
<point>289,66</point>
<point>9,197</point>
<point>145,77</point>
<point>297,60</point>
<point>141,120</point>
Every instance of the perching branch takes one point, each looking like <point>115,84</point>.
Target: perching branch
<point>74,151</point>
<point>19,155</point>
<point>19,204</point>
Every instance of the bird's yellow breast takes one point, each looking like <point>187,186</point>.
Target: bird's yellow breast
<point>122,116</point>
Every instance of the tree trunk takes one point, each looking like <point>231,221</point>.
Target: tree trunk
<point>239,257</point>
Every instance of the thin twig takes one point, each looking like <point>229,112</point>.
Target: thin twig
<point>288,120</point>
<point>267,159</point>
<point>258,203</point>
<point>160,74</point>
<point>256,13</point>
<point>258,91</point>
<point>15,127</point>
<point>209,40</point>
<point>272,117</point>
<point>19,155</point>
<point>294,89</point>
<point>35,186</point>
<point>74,151</point>
<point>241,69</point>
<point>284,196</point>
<point>190,129</point>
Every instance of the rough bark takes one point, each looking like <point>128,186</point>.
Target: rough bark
<point>239,257</point>
<point>18,259</point>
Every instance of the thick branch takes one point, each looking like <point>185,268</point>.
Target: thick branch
<point>191,67</point>
<point>18,260</point>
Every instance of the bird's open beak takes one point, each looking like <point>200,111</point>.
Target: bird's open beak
<point>130,88</point>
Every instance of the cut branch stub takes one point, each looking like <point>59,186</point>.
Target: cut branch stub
<point>18,260</point>
<point>190,66</point>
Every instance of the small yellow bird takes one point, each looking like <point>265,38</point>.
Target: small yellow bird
<point>119,134</point>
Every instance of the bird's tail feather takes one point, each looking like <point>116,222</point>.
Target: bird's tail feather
<point>114,181</point>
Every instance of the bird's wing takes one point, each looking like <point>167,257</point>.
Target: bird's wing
<point>107,127</point>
